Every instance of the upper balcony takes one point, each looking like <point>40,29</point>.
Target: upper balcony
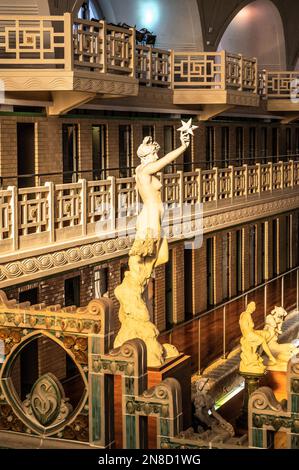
<point>59,54</point>
<point>219,79</point>
<point>281,90</point>
<point>76,61</point>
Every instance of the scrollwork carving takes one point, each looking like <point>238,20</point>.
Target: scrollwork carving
<point>47,403</point>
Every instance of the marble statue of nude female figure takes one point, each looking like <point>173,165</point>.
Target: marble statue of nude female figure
<point>149,250</point>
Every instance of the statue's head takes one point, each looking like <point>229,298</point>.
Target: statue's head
<point>251,307</point>
<point>279,313</point>
<point>148,150</point>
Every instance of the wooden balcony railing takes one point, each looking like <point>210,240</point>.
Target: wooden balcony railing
<point>65,43</point>
<point>153,66</point>
<point>51,213</point>
<point>279,85</point>
<point>214,71</point>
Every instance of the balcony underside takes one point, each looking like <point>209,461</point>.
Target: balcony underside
<point>215,97</point>
<point>283,105</point>
<point>68,88</point>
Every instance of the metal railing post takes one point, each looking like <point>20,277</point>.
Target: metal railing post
<point>282,291</point>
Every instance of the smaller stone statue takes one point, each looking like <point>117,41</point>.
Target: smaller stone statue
<point>251,341</point>
<point>273,326</point>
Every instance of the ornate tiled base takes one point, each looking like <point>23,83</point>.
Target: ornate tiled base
<point>277,381</point>
<point>178,368</point>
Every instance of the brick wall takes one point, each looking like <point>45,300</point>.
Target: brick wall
<point>51,290</point>
<point>159,304</point>
<point>8,149</point>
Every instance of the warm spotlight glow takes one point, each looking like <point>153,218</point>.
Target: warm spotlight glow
<point>149,14</point>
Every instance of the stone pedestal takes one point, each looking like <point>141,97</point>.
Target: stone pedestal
<point>178,368</point>
<point>252,382</point>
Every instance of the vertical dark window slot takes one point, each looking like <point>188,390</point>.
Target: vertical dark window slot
<point>99,152</point>
<point>252,145</point>
<point>168,291</point>
<point>188,157</point>
<point>239,145</point>
<point>264,144</point>
<point>70,152</point>
<point>125,151</point>
<point>274,247</point>
<point>252,254</point>
<point>210,146</point>
<point>225,265</point>
<point>297,141</point>
<point>210,271</point>
<point>224,146</point>
<point>289,141</point>
<point>29,295</point>
<point>188,283</point>
<point>169,146</point>
<point>26,154</point>
<point>124,267</point>
<point>274,143</point>
<point>288,241</point>
<point>72,291</point>
<point>148,131</point>
<point>239,263</point>
<point>29,368</point>
<point>263,248</point>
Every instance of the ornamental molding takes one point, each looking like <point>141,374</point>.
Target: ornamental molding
<point>106,86</point>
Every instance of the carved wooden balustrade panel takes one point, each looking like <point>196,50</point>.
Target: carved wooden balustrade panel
<point>252,179</point>
<point>120,50</point>
<point>153,66</point>
<point>265,177</point>
<point>215,71</point>
<point>88,43</point>
<point>224,183</point>
<point>281,85</point>
<point>5,215</point>
<point>239,177</point>
<point>51,213</point>
<point>208,183</point>
<point>38,41</point>
<point>202,70</point>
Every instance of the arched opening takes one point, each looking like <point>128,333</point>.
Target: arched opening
<point>41,355</point>
<point>257,31</point>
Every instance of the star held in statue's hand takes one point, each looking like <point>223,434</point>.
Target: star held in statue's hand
<point>187,127</point>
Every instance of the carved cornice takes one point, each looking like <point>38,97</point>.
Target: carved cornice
<point>256,210</point>
<point>102,84</point>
